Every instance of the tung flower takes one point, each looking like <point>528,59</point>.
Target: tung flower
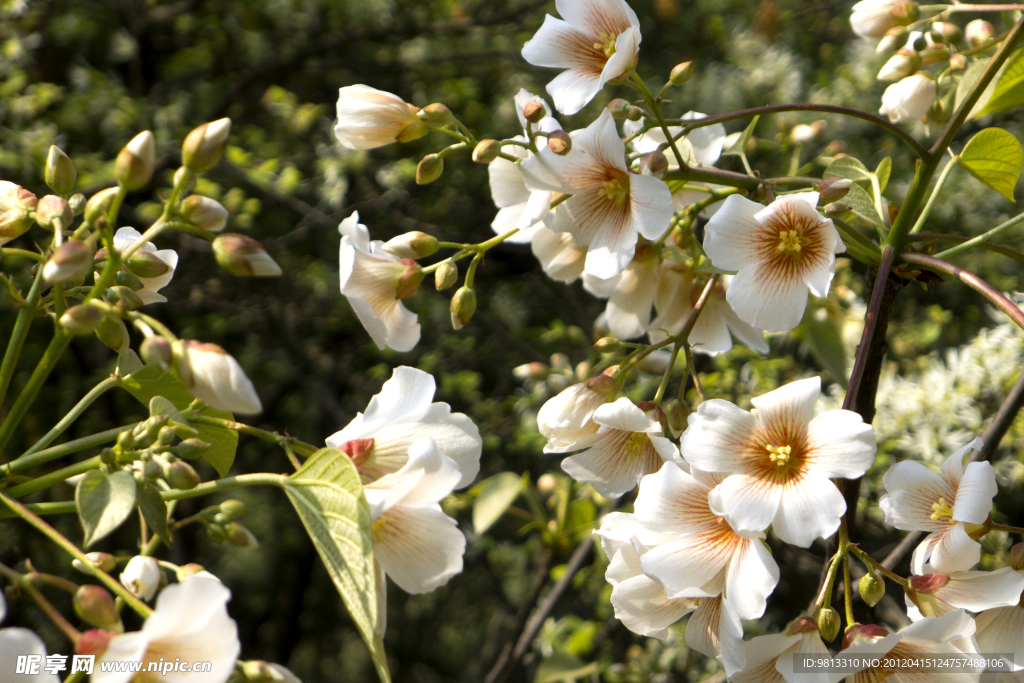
<point>770,658</point>
<point>564,418</point>
<point>369,118</point>
<point>932,595</point>
<point>151,286</point>
<point>778,252</point>
<point>597,41</point>
<point>630,294</point>
<point>780,460</point>
<point>1001,629</point>
<point>909,98</point>
<point>141,576</point>
<point>214,376</point>
<point>559,255</point>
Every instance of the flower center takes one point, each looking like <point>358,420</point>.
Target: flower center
<point>941,509</point>
<point>779,455</point>
<point>616,190</point>
<point>606,44</point>
<point>791,241</point>
<point>635,444</point>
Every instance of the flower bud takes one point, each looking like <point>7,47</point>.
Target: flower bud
<point>634,113</point>
<point>905,12</point>
<point>51,208</point>
<point>233,508</point>
<point>69,263</point>
<point>535,111</point>
<point>619,107</point>
<point>900,65</point>
<point>99,204</point>
<point>145,433</point>
<point>216,533</point>
<point>146,264</point>
<point>436,115</point>
<point>242,255</point>
<point>156,351</point>
<point>677,412</point>
<point>205,213</point>
<point>533,371</point>
<point>429,169</point>
<point>151,470</point>
<point>77,204</point>
<point>828,623</point>
<point>871,588</point>
<point>833,189</point>
<point>190,449</point>
<point>141,576</point>
<point>103,561</point>
<point>414,131</point>
<point>136,161</point>
<point>601,384</point>
<point>94,606</point>
<point>1017,557</point>
<point>917,41</point>
<point>681,73</point>
<point>559,142</point>
<point>446,275</point>
<point>892,40</point>
<point>182,476</point>
<point>113,333</point>
<point>81,319</point>
<point>654,164</point>
<point>184,178</point>
<point>124,298</point>
<point>213,376</point>
<point>410,280</point>
<point>93,642</point>
<point>412,245</point>
<point>240,537</point>
<point>204,146</point>
<point>979,31</point>
<point>486,151</point>
<point>463,306</point>
<point>60,171</point>
<point>606,345</point>
<point>950,33</point>
<point>957,62</point>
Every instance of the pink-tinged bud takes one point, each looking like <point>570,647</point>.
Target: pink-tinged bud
<point>60,171</point>
<point>205,213</point>
<point>654,164</point>
<point>602,384</point>
<point>957,62</point>
<point>136,161</point>
<point>619,108</point>
<point>412,245</point>
<point>486,151</point>
<point>213,376</point>
<point>81,319</point>
<point>871,588</point>
<point>156,351</point>
<point>182,476</point>
<point>205,145</point>
<point>828,623</point>
<point>69,263</point>
<point>559,142</point>
<point>535,111</point>
<point>979,31</point>
<point>446,275</point>
<point>52,208</point>
<point>833,189</point>
<point>928,583</point>
<point>606,345</point>
<point>534,371</point>
<point>429,169</point>
<point>463,306</point>
<point>93,642</point>
<point>677,412</point>
<point>113,333</point>
<point>244,256</point>
<point>141,576</point>
<point>654,412</point>
<point>950,33</point>
<point>410,279</point>
<point>94,606</point>
<point>99,204</point>
<point>681,73</point>
<point>358,450</point>
<point>802,625</point>
<point>436,115</point>
<point>857,632</point>
<point>1017,556</point>
<point>104,561</point>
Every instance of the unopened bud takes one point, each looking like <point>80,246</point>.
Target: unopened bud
<point>429,169</point>
<point>833,189</point>
<point>601,384</point>
<point>94,606</point>
<point>893,39</point>
<point>410,279</point>
<point>654,164</point>
<point>205,213</point>
<point>99,204</point>
<point>606,345</point>
<point>141,576</point>
<point>681,73</point>
<point>904,63</point>
<point>446,275</point>
<point>124,298</point>
<point>951,33</point>
<point>146,264</point>
<point>436,115</point>
<point>182,476</point>
<point>240,537</point>
<point>51,208</point>
<point>70,263</point>
<point>559,142</point>
<point>918,41</point>
<point>136,161</point>
<point>619,107</point>
<point>463,306</point>
<point>93,642</point>
<point>905,12</point>
<point>535,111</point>
<point>60,171</point>
<point>81,319</point>
<point>244,256</point>
<point>547,483</point>
<point>653,412</point>
<point>233,508</point>
<point>871,588</point>
<point>486,151</point>
<point>957,62</point>
<point>634,113</point>
<point>412,245</point>
<point>216,533</point>
<point>534,371</point>
<point>828,623</point>
<point>803,133</point>
<point>835,209</point>
<point>156,351</point>
<point>103,561</point>
<point>190,449</point>
<point>979,31</point>
<point>413,131</point>
<point>677,412</point>
<point>126,279</point>
<point>204,146</point>
<point>77,203</point>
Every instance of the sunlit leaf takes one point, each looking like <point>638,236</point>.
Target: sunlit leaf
<point>496,494</point>
<point>994,157</point>
<point>848,167</point>
<point>860,203</point>
<point>104,502</point>
<point>1009,86</point>
<point>883,172</point>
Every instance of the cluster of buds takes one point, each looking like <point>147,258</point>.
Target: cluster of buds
<point>149,451</point>
<point>222,526</point>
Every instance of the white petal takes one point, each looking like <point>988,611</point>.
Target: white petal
<point>16,641</point>
<point>746,333</point>
<point>186,607</point>
<point>954,552</point>
<point>525,97</point>
<point>405,397</point>
<point>789,407</point>
<point>974,497</point>
<point>729,238</point>
<point>717,436</point>
<point>425,479</point>
<point>601,141</point>
<point>672,501</point>
<point>573,89</point>
<point>707,140</point>
<point>650,203</point>
<point>688,563</point>
<point>420,548</point>
<point>560,257</point>
<point>640,602</point>
<point>127,647</point>
<point>549,172</point>
<point>509,218</point>
<point>615,463</point>
<point>625,415</point>
<point>715,628</point>
<point>617,531</point>
<point>913,489</point>
<point>953,467</point>
<point>977,591</point>
<point>537,207</point>
<point>767,299</point>
<point>749,503</point>
<point>558,44</point>
<point>753,575</point>
<point>1002,630</point>
<point>810,509</point>
<point>597,16</point>
<point>841,444</point>
<point>622,62</point>
<point>507,186</point>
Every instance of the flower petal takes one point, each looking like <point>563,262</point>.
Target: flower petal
<point>672,501</point>
<point>715,628</point>
<point>974,497</point>
<point>615,463</point>
<point>598,16</point>
<point>749,503</point>
<point>753,575</point>
<point>762,653</point>
<point>558,44</point>
<point>1002,630</point>
<point>640,602</point>
<point>953,551</point>
<point>559,255</point>
<point>913,489</point>
<point>405,397</point>
<point>688,563</point>
<point>601,141</point>
<point>507,185</point>
<point>766,297</point>
<point>810,509</point>
<point>840,445</point>
<point>978,591</point>
<point>420,548</point>
<point>789,407</point>
<point>573,89</point>
<point>953,467</point>
<point>717,436</point>
<point>16,641</point>
<point>650,204</point>
<point>729,236</point>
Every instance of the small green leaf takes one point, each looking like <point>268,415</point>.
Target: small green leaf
<point>860,204</point>
<point>104,502</point>
<point>127,363</point>
<point>1009,88</point>
<point>328,496</point>
<point>159,405</point>
<point>154,511</point>
<point>496,494</point>
<point>967,81</point>
<point>740,146</point>
<point>883,172</point>
<point>848,167</point>
<point>994,157</point>
<point>685,148</point>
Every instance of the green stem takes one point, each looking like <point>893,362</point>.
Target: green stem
<point>825,597</point>
<point>7,251</point>
<point>953,163</point>
<point>668,373</point>
<point>35,383</point>
<point>870,561</point>
<point>301,447</point>
<point>974,241</point>
<point>853,239</point>
<point>18,334</point>
<point>258,479</point>
<point>1007,527</point>
<point>47,480</point>
<point>75,413</point>
<point>56,617</point>
<point>941,237</point>
<point>655,106</point>
<point>847,590</point>
<point>25,462</point>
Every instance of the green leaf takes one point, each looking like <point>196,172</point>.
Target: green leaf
<point>104,502</point>
<point>154,511</point>
<point>496,494</point>
<point>328,496</point>
<point>159,405</point>
<point>149,382</point>
<point>1009,88</point>
<point>848,167</point>
<point>564,667</point>
<point>967,81</point>
<point>740,146</point>
<point>994,157</point>
<point>127,363</point>
<point>861,204</point>
<point>883,172</point>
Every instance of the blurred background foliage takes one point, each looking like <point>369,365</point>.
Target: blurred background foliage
<point>87,75</point>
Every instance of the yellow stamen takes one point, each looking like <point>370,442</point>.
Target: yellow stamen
<point>792,241</point>
<point>779,454</point>
<point>616,191</point>
<point>941,509</point>
<point>607,44</point>
<point>634,445</point>
<point>377,529</point>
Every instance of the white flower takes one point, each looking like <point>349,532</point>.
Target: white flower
<point>416,544</point>
<point>369,118</point>
<point>1002,630</point>
<point>141,576</point>
<point>151,286</point>
<point>627,447</point>
<point>378,440</point>
<point>375,282</point>
<point>568,416</point>
<point>630,294</point>
<point>712,333</point>
<point>872,18</point>
<point>770,658</point>
<point>190,622</point>
<point>610,206</point>
<point>780,460</point>
<point>214,376</point>
<point>598,42</point>
<point>778,252</point>
<point>909,98</point>
<point>15,642</point>
<point>559,255</point>
<point>707,143</point>
<point>932,595</point>
<point>950,507</point>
